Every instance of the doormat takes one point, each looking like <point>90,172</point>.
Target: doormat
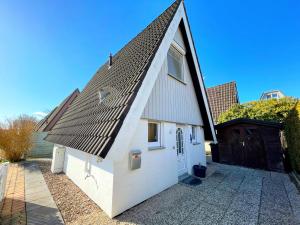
<point>191,181</point>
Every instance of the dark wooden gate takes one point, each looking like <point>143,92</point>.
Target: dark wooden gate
<point>251,144</point>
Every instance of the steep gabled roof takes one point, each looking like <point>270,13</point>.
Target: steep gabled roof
<point>51,119</point>
<point>221,98</point>
<point>92,127</point>
<point>110,99</point>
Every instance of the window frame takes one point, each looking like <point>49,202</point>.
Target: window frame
<point>178,50</point>
<point>158,142</point>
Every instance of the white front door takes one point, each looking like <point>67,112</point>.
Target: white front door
<point>181,156</point>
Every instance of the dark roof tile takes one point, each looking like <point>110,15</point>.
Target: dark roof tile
<point>221,98</point>
<point>51,119</point>
<point>91,126</point>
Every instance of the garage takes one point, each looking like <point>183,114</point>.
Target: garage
<point>250,143</point>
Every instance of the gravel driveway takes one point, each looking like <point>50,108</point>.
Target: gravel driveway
<point>230,195</point>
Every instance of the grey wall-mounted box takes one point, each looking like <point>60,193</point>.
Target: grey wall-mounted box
<point>135,159</point>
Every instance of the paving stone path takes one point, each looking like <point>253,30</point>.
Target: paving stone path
<point>40,206</point>
<point>13,206</point>
<point>27,198</point>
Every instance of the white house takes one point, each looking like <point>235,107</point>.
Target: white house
<point>275,94</point>
<point>140,122</point>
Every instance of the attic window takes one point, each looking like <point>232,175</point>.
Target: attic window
<point>103,94</point>
<point>175,64</point>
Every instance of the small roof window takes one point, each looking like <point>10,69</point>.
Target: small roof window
<point>103,94</point>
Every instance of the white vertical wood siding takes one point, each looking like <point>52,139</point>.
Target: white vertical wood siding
<point>171,100</point>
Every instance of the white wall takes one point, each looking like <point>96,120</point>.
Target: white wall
<point>116,188</point>
<point>91,175</point>
<point>158,169</point>
<point>196,150</point>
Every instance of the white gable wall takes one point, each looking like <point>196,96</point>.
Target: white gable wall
<point>130,123</point>
<point>172,100</point>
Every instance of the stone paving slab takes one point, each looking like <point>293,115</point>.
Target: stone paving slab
<point>239,218</point>
<point>267,220</point>
<point>40,206</point>
<point>13,206</point>
<point>205,213</point>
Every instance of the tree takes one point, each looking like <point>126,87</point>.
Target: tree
<point>275,110</point>
<point>16,137</point>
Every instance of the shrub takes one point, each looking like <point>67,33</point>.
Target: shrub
<point>292,133</point>
<point>275,110</point>
<point>15,137</point>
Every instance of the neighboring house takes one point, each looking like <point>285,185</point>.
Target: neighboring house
<point>276,94</point>
<point>141,121</point>
<point>42,148</point>
<point>221,98</point>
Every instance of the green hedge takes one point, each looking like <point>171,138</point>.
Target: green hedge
<point>270,110</point>
<point>292,133</point>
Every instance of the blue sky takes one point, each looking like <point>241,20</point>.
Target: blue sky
<point>49,48</point>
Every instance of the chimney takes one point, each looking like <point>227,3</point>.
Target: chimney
<point>110,59</point>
